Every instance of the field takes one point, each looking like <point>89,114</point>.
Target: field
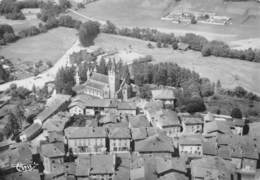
<point>147,13</point>
<point>19,25</point>
<point>46,47</point>
<point>230,72</point>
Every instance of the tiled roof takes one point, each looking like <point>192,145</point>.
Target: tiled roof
<point>163,94</point>
<point>156,143</point>
<point>139,121</point>
<point>126,106</point>
<point>56,122</point>
<point>95,85</point>
<point>123,169</point>
<point>99,77</point>
<point>139,133</point>
<point>57,102</point>
<point>119,133</point>
<point>213,166</point>
<point>173,176</point>
<point>209,148</point>
<point>217,126</point>
<point>33,130</point>
<point>53,150</point>
<point>224,152</point>
<point>191,140</point>
<point>85,132</point>
<point>102,164</point>
<point>83,165</point>
<point>104,103</point>
<point>168,164</point>
<point>192,120</point>
<point>168,118</point>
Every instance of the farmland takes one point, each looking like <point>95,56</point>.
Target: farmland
<point>46,47</point>
<point>230,72</point>
<point>147,13</point>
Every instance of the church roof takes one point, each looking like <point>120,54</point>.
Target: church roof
<point>95,85</point>
<point>99,77</point>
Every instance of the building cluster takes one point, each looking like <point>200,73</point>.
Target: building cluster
<point>129,139</point>
<point>201,17</point>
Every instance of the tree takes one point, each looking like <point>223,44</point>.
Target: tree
<point>88,32</point>
<point>196,104</point>
<point>64,81</point>
<point>109,28</point>
<point>193,20</point>
<point>240,91</point>
<point>236,113</point>
<point>102,67</point>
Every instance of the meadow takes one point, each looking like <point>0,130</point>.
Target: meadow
<point>231,72</point>
<point>147,13</point>
<point>49,46</point>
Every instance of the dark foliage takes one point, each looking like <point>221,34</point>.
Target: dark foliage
<point>236,113</point>
<point>88,32</point>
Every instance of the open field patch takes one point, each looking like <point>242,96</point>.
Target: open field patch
<point>19,25</point>
<point>230,72</point>
<point>146,14</point>
<point>47,47</point>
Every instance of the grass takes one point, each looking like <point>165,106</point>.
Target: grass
<point>19,25</point>
<point>147,13</point>
<point>49,46</point>
<point>230,72</point>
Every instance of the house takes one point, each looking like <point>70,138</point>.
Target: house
<point>167,166</point>
<point>58,102</point>
<point>192,124</point>
<point>166,96</point>
<point>214,128</point>
<point>55,104</point>
<point>92,107</point>
<point>123,168</point>
<point>190,146</point>
<point>209,148</point>
<point>138,121</point>
<point>211,168</point>
<point>98,85</point>
<point>119,139</point>
<point>139,133</point>
<point>31,132</point>
<point>168,121</point>
<point>237,126</point>
<point>57,122</point>
<point>95,167</point>
<point>102,167</point>
<point>52,154</point>
<point>86,140</point>
<point>127,108</point>
<point>157,144</point>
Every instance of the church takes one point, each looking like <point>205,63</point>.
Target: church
<point>97,85</point>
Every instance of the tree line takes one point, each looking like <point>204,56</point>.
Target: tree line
<point>195,42</point>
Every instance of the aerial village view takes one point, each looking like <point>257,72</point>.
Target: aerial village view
<point>129,90</point>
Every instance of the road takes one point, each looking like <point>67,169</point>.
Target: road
<point>46,76</point>
<point>87,17</point>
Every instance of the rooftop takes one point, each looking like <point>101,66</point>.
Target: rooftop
<point>99,77</point>
<point>85,132</point>
<point>119,133</point>
<point>53,149</point>
<point>102,164</point>
<point>157,143</point>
